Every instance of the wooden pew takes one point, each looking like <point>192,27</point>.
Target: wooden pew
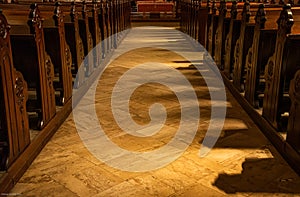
<point>118,18</point>
<point>123,17</point>
<point>281,68</point>
<point>108,24</point>
<point>227,58</point>
<point>103,26</point>
<point>14,125</point>
<point>211,28</point>
<point>86,37</point>
<point>262,48</point>
<point>74,41</point>
<point>227,31</point>
<point>125,11</point>
<point>34,63</point>
<point>114,23</point>
<point>216,25</point>
<point>211,9</point>
<point>84,17</point>
<point>184,13</point>
<point>242,45</point>
<point>293,127</point>
<point>235,55</point>
<point>221,31</point>
<point>232,37</point>
<point>241,49</point>
<point>59,51</point>
<point>111,16</point>
<point>202,20</point>
<point>104,17</point>
<point>88,16</point>
<point>93,14</point>
<point>193,19</point>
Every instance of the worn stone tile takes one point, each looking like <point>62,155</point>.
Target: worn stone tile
<point>124,189</point>
<point>96,179</point>
<point>191,169</point>
<point>198,190</point>
<point>153,185</point>
<point>35,176</point>
<point>42,189</point>
<point>174,179</point>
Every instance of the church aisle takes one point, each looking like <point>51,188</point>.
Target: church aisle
<point>242,162</point>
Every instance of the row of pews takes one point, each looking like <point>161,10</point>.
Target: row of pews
<point>256,46</point>
<point>46,50</point>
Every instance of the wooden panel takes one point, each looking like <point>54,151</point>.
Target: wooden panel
<point>262,48</point>
<point>74,41</point>
<point>14,126</point>
<point>242,46</point>
<point>86,37</point>
<point>281,67</point>
<point>36,66</point>
<point>218,40</point>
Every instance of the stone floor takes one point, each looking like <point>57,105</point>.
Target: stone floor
<point>242,162</point>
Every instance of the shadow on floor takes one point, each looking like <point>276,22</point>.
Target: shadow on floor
<point>265,175</point>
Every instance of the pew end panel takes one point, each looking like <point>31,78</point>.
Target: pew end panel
<point>14,124</point>
<point>222,31</point>
<point>87,40</point>
<point>293,131</point>
<point>290,66</point>
<point>202,25</point>
<point>241,49</point>
<point>94,29</point>
<point>262,48</point>
<point>242,17</point>
<point>75,43</point>
<point>35,64</point>
<point>231,39</point>
<point>211,34</point>
<point>59,51</point>
<point>281,68</point>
